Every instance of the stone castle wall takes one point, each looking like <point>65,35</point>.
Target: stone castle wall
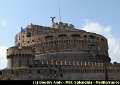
<point>83,71</point>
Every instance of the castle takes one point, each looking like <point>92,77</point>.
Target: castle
<point>59,52</point>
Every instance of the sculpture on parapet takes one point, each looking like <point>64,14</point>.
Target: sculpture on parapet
<point>52,19</point>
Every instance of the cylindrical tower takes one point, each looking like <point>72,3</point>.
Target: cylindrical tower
<point>76,46</point>
<point>18,57</point>
<point>64,42</point>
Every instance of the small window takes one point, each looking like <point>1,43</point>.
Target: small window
<point>55,72</point>
<point>12,72</point>
<point>102,39</point>
<point>61,75</point>
<point>50,72</point>
<point>91,36</point>
<point>85,36</point>
<point>97,70</point>
<point>38,71</point>
<point>30,72</point>
<point>0,73</point>
<point>103,70</point>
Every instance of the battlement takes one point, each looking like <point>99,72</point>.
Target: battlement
<point>75,64</point>
<point>20,50</point>
<point>19,56</point>
<point>63,26</point>
<point>83,71</point>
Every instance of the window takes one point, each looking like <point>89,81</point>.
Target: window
<point>50,72</point>
<point>12,72</point>
<point>0,73</point>
<point>38,71</point>
<point>102,39</point>
<point>55,72</point>
<point>49,37</point>
<point>61,75</point>
<point>75,36</point>
<point>85,36</point>
<point>92,37</point>
<point>97,70</point>
<point>62,36</point>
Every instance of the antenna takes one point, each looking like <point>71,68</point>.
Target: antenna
<point>59,12</point>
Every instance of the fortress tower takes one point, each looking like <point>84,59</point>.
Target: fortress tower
<point>18,57</point>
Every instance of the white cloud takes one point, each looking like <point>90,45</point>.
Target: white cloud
<point>3,23</point>
<point>113,42</point>
<point>3,59</point>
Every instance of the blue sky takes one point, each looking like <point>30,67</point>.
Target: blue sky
<point>17,13</point>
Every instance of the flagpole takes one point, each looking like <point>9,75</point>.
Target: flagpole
<point>21,38</point>
<point>59,11</point>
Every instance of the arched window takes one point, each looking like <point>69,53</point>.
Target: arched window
<point>75,36</point>
<point>62,36</point>
<point>92,37</point>
<point>49,37</point>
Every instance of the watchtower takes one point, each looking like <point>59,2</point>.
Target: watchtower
<point>18,57</point>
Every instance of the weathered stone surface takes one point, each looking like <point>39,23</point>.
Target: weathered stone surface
<point>59,52</point>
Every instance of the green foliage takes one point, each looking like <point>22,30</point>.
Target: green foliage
<point>22,67</point>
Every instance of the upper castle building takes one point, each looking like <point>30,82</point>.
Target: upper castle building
<point>59,52</point>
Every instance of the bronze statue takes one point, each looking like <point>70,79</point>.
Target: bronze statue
<point>52,19</point>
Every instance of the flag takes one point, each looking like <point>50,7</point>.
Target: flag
<point>21,37</point>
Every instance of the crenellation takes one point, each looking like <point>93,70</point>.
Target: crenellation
<point>63,70</point>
